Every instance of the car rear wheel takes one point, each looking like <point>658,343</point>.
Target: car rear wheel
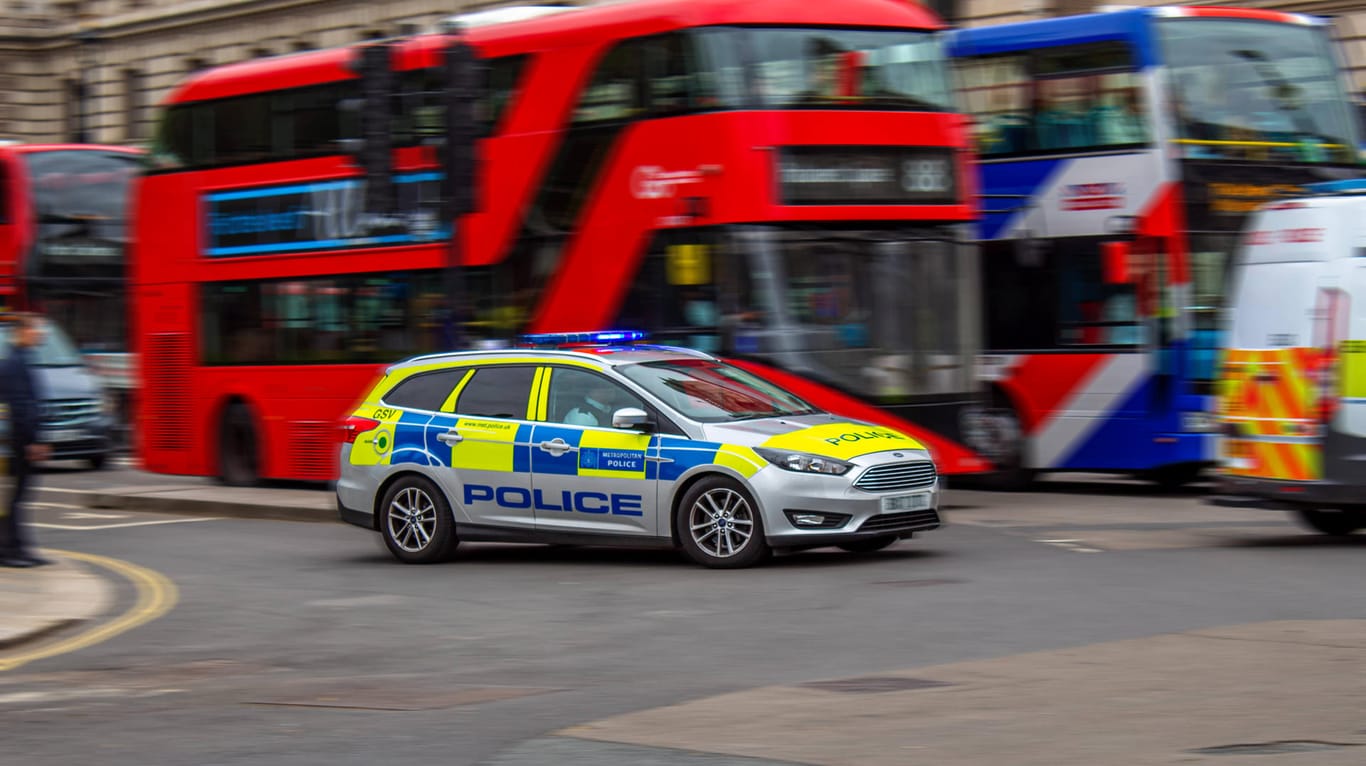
<point>870,545</point>
<point>98,460</point>
<point>719,525</point>
<point>416,522</point>
<point>1333,522</point>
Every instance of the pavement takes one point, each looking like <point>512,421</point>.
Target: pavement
<point>39,603</point>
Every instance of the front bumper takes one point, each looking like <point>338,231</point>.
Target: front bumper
<point>855,514</point>
<point>73,440</point>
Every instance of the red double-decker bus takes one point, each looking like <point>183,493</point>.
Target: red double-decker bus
<point>782,182</point>
<point>63,236</point>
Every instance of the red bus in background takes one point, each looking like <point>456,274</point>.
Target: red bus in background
<point>63,236</point>
<point>782,182</point>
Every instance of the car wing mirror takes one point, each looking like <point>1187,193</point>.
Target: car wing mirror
<point>632,418</point>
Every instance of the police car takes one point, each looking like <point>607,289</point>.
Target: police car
<point>610,443</point>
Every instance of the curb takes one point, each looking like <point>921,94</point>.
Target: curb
<point>40,632</point>
<point>324,511</point>
<point>71,595</point>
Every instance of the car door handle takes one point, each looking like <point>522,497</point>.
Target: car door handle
<point>451,437</point>
<point>556,446</point>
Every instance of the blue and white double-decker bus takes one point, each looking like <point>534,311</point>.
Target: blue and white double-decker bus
<point>1120,153</point>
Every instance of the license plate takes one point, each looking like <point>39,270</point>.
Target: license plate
<point>61,436</point>
<point>917,502</point>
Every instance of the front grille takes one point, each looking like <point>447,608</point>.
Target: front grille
<point>911,521</point>
<point>69,412</point>
<point>897,476</point>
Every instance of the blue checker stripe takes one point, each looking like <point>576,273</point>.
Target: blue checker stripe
<point>543,462</point>
<point>521,453</point>
<point>410,441</point>
<point>682,455</point>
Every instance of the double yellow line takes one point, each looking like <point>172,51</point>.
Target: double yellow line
<point>156,595</point>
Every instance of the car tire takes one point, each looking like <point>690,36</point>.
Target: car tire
<point>239,454</point>
<point>719,525</point>
<point>870,545</point>
<point>97,461</point>
<point>416,522</point>
<point>1340,523</point>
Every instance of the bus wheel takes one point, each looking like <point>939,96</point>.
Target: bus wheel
<point>239,460</point>
<point>1006,450</point>
<point>1333,522</point>
<point>1174,477</point>
<point>416,522</point>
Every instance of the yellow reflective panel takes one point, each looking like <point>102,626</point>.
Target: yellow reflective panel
<point>843,441</point>
<point>535,406</point>
<point>1353,369</point>
<point>488,445</point>
<point>376,446</point>
<point>742,460</point>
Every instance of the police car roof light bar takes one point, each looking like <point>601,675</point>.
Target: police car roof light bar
<point>568,338</point>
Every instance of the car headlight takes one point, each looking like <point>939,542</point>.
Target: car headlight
<point>804,463</point>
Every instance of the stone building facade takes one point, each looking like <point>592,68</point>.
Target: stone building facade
<point>94,70</point>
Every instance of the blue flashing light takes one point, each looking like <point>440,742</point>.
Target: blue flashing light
<point>1346,186</point>
<point>569,338</point>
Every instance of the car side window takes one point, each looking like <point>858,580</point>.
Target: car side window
<point>425,391</point>
<point>583,398</point>
<point>497,392</point>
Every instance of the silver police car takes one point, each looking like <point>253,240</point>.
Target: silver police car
<point>633,445</point>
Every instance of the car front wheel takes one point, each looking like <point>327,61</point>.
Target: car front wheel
<point>719,525</point>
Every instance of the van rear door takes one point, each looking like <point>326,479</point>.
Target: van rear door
<point>1269,389</point>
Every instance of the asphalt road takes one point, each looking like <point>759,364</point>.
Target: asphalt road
<point>296,643</point>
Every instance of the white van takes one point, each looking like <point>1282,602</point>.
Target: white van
<point>1292,393</point>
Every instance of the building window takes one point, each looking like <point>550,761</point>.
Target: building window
<point>195,64</point>
<point>133,103</point>
<point>75,103</point>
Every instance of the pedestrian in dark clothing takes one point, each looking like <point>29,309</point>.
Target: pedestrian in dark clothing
<point>20,392</point>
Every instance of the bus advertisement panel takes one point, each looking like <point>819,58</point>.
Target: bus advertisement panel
<point>781,182</point>
<point>1120,154</point>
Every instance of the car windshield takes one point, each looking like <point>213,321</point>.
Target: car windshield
<point>714,392</point>
<point>56,350</point>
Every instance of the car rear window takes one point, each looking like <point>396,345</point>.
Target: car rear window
<point>427,391</point>
<point>497,392</point>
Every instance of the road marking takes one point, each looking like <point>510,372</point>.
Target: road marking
<point>124,525</point>
<point>1070,545</point>
<point>44,504</point>
<point>156,595</point>
<point>89,514</point>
